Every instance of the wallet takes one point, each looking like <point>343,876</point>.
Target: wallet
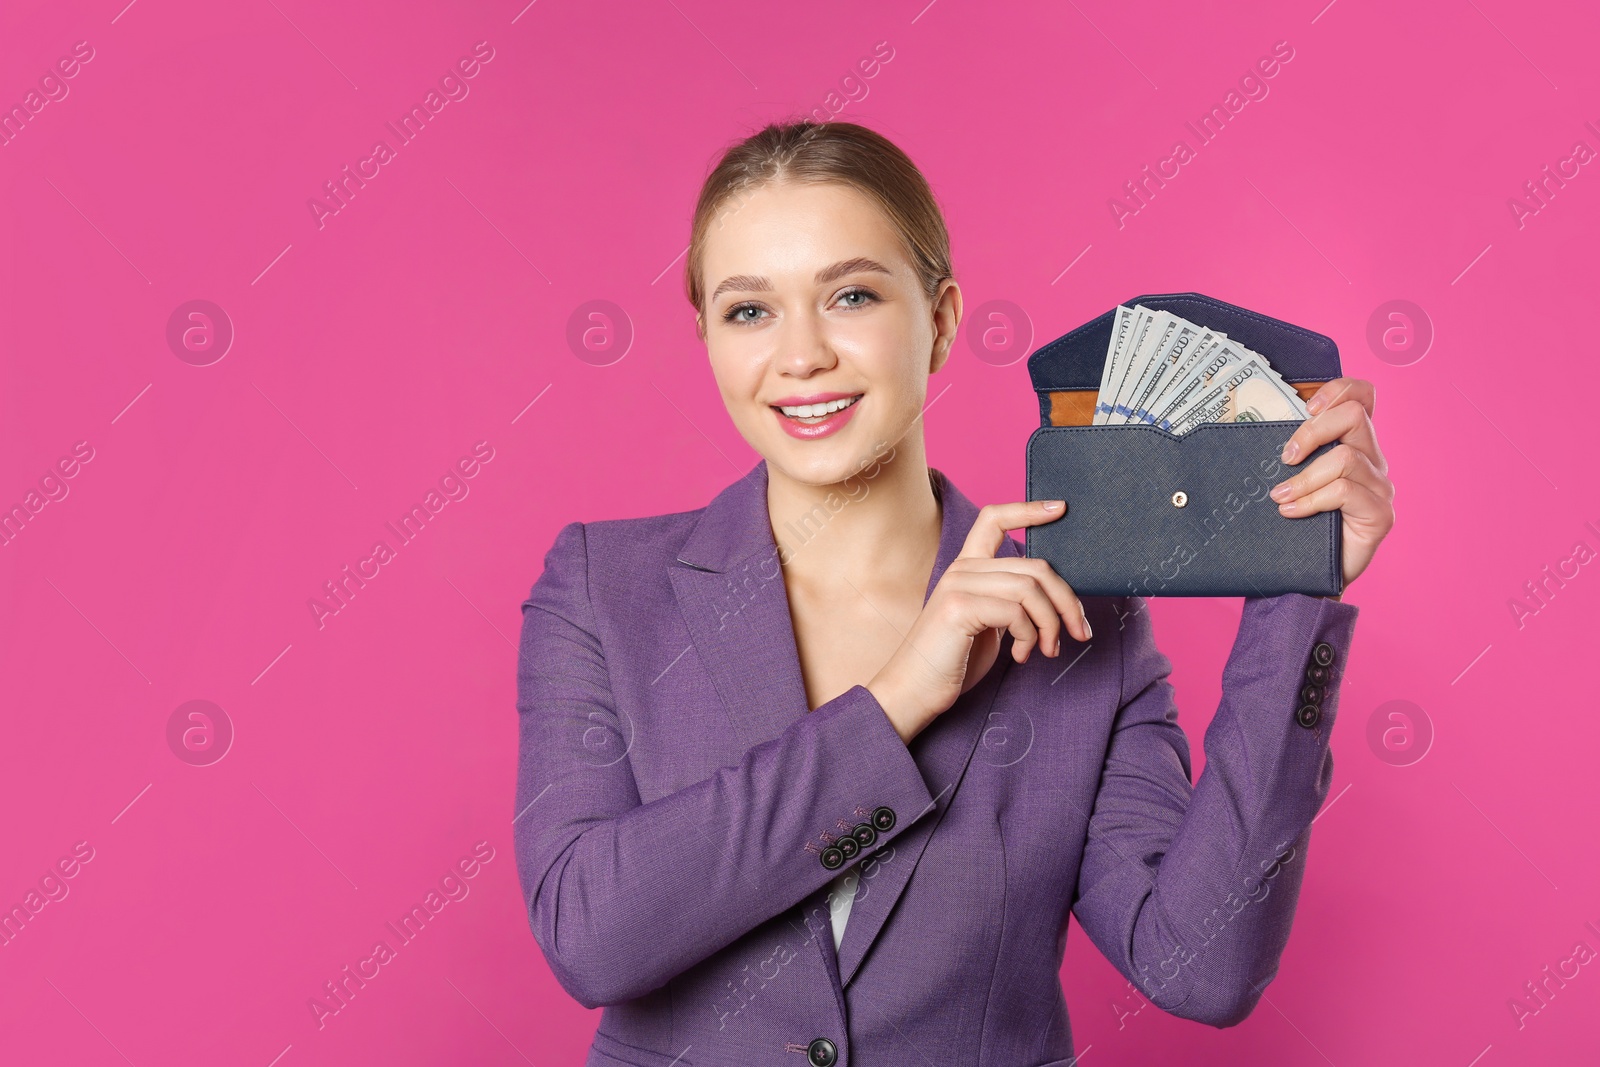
<point>1150,513</point>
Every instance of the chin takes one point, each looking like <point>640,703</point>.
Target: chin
<point>826,462</point>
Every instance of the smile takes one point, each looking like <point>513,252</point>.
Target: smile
<point>810,421</point>
<point>814,411</point>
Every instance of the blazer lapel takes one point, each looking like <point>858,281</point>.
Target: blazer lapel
<point>730,588</point>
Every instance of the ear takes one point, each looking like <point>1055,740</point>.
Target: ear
<point>946,323</point>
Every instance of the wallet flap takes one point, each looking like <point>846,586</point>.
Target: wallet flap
<point>1074,361</point>
<point>1154,514</point>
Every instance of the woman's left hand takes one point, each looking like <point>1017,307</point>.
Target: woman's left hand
<point>1353,475</point>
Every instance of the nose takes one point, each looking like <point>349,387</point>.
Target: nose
<point>803,347</point>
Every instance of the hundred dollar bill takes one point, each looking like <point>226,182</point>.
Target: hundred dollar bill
<point>1174,353</point>
<point>1127,352</point>
<point>1114,357</point>
<point>1157,333</point>
<point>1163,370</point>
<point>1178,382</point>
<point>1217,362</point>
<point>1251,392</point>
<point>1212,361</point>
<point>1178,378</point>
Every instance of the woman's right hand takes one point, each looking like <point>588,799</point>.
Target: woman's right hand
<point>956,639</point>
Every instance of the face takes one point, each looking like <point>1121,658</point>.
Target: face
<point>819,333</point>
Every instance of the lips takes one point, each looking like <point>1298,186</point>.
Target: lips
<point>820,415</point>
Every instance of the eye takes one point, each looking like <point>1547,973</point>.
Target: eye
<point>736,313</point>
<point>867,297</point>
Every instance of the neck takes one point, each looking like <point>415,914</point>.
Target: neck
<point>878,529</point>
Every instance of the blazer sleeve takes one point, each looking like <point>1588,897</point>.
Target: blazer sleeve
<point>1191,893</point>
<point>621,895</point>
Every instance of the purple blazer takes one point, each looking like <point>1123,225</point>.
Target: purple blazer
<point>680,811</point>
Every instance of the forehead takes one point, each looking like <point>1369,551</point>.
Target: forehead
<point>794,226</point>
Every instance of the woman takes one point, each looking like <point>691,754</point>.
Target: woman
<point>760,807</point>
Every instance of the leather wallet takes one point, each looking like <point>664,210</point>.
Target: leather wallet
<point>1150,513</point>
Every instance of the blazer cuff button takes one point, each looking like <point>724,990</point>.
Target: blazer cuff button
<point>1308,715</point>
<point>1322,654</point>
<point>832,858</point>
<point>883,819</point>
<point>864,834</point>
<point>848,846</point>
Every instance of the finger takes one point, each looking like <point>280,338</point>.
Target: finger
<point>1023,590</point>
<point>989,528</point>
<point>1029,592</point>
<point>1065,606</point>
<point>1346,422</point>
<point>1341,461</point>
<point>1329,425</point>
<point>1000,612</point>
<point>1026,624</point>
<point>1339,390</point>
<point>1359,503</point>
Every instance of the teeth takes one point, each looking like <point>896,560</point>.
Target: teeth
<point>811,411</point>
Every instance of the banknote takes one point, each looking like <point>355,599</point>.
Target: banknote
<point>1250,393</point>
<point>1115,357</point>
<point>1216,362</point>
<point>1124,352</point>
<point>1163,370</point>
<point>1157,336</point>
<point>1174,352</point>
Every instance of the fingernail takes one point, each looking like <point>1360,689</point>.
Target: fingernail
<point>1052,505</point>
<point>1290,506</point>
<point>1314,405</point>
<point>1087,629</point>
<point>1290,451</point>
<point>1280,491</point>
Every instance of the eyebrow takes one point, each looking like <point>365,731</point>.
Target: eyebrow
<point>756,283</point>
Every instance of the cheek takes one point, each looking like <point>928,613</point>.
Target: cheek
<point>902,373</point>
<point>883,351</point>
<point>734,365</point>
<point>739,371</point>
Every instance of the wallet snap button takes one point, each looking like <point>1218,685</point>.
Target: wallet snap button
<point>1180,499</point>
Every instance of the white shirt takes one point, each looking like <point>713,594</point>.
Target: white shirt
<point>841,895</point>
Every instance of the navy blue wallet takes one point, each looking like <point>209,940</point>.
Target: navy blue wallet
<point>1154,514</point>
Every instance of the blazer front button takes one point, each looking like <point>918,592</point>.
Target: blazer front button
<point>822,1052</point>
<point>1322,654</point>
<point>1308,715</point>
<point>883,819</point>
<point>864,834</point>
<point>832,858</point>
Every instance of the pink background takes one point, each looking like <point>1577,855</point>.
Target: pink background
<point>372,754</point>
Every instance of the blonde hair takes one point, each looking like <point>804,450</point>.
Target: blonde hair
<point>839,152</point>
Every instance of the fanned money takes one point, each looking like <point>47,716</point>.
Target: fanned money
<point>1163,370</point>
